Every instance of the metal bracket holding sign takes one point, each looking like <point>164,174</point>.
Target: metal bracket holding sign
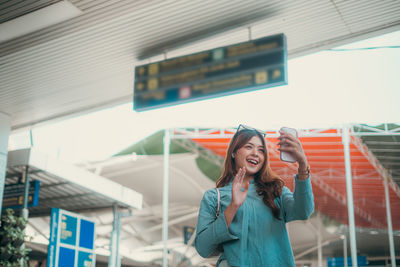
<point>71,241</point>
<point>253,65</point>
<point>14,195</point>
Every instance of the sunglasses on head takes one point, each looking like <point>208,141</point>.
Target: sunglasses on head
<point>245,127</point>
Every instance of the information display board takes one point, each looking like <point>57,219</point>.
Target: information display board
<point>242,67</point>
<point>71,241</point>
<point>14,195</point>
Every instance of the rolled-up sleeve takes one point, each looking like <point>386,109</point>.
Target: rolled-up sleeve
<point>300,204</point>
<point>210,231</point>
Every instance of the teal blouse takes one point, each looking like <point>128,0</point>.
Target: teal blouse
<point>255,237</point>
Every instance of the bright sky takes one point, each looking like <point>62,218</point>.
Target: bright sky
<point>325,89</point>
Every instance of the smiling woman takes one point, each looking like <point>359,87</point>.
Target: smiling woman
<point>254,205</point>
<point>250,156</point>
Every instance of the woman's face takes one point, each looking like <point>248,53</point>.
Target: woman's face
<point>251,156</point>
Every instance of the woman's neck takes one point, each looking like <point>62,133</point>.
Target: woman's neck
<point>248,179</point>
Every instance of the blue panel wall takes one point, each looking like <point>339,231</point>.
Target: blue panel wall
<point>71,241</point>
<point>66,257</point>
<point>86,234</point>
<point>68,230</point>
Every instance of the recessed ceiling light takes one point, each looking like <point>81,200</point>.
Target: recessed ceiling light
<point>38,19</point>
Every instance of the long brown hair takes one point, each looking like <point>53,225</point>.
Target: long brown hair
<point>268,184</point>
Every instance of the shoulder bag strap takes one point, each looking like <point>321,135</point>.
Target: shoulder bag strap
<point>219,203</point>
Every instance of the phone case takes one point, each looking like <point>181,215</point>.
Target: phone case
<point>286,156</point>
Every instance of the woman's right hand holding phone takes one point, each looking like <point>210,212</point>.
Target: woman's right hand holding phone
<point>291,144</point>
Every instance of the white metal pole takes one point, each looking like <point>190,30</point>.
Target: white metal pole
<point>117,257</point>
<point>345,250</point>
<point>119,226</point>
<point>113,239</point>
<point>319,240</point>
<point>5,128</point>
<point>167,141</point>
<point>349,189</point>
<point>389,221</point>
<point>25,210</point>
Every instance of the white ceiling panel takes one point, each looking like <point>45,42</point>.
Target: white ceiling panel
<point>87,62</point>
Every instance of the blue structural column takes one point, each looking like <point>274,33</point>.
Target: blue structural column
<point>5,128</point>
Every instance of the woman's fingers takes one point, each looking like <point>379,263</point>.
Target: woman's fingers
<point>241,182</point>
<point>246,186</point>
<point>286,135</point>
<point>237,176</point>
<point>239,196</point>
<point>237,181</point>
<point>288,145</point>
<point>242,175</point>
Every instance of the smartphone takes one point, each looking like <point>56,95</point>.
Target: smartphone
<point>287,156</point>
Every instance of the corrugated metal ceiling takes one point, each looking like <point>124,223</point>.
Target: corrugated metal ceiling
<point>58,187</point>
<point>56,192</point>
<point>87,62</point>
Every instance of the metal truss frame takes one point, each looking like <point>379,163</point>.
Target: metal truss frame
<point>197,133</point>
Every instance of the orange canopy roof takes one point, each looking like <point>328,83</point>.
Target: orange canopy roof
<point>325,154</point>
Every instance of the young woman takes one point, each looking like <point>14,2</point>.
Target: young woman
<point>255,205</point>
